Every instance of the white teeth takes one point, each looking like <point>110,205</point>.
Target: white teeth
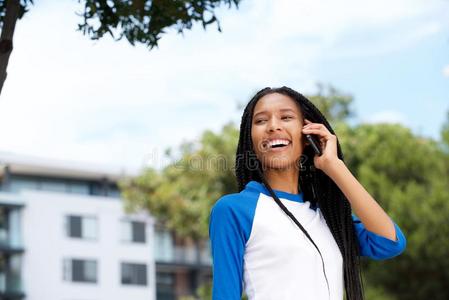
<point>278,142</point>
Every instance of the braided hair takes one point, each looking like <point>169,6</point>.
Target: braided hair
<point>316,186</point>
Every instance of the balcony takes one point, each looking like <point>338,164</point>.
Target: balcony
<point>169,249</point>
<point>10,277</point>
<point>10,229</point>
<point>10,252</point>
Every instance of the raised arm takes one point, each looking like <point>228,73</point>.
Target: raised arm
<point>373,217</point>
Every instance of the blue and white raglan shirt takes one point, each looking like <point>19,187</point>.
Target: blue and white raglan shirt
<point>257,248</point>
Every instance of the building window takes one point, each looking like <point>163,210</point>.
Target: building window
<point>81,227</point>
<point>164,249</point>
<point>80,270</point>
<point>75,187</point>
<point>52,185</point>
<point>133,231</point>
<point>19,183</point>
<point>134,274</point>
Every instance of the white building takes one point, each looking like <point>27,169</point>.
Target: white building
<point>64,234</point>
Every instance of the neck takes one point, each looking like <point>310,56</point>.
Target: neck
<point>285,180</point>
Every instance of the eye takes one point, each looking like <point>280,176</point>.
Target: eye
<point>259,121</point>
<point>287,118</point>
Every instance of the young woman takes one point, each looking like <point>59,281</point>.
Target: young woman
<point>290,232</point>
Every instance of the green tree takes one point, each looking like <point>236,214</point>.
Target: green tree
<point>408,176</point>
<point>139,21</point>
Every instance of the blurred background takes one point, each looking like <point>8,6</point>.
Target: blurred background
<point>119,125</point>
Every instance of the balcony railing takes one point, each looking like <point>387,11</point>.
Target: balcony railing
<point>182,255</point>
<point>10,229</point>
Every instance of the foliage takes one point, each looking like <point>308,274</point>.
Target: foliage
<point>139,21</point>
<point>143,21</point>
<point>408,176</point>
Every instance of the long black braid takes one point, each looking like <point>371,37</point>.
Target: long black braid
<point>316,186</point>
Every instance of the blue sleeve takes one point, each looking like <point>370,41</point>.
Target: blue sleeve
<point>376,246</point>
<point>229,228</point>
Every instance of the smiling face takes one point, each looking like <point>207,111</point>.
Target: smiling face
<point>276,131</point>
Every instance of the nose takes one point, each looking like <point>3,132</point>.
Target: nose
<point>273,125</point>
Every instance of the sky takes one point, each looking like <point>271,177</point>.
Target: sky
<point>106,102</point>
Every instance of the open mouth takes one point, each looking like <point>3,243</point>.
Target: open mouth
<point>276,145</point>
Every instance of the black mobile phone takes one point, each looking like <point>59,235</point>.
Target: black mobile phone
<point>315,143</point>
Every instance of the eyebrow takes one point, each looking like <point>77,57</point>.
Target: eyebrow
<point>282,110</point>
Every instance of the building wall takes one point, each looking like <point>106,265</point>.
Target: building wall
<point>47,244</point>
<point>45,192</point>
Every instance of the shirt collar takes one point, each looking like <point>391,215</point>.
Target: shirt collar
<point>259,187</point>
